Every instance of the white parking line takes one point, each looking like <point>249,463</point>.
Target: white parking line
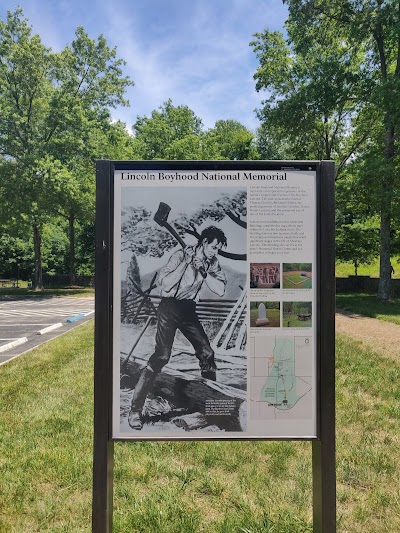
<point>21,314</point>
<point>18,325</point>
<point>36,317</point>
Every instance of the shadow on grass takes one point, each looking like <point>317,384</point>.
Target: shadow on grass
<point>369,305</point>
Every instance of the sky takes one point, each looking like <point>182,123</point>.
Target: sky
<point>195,52</point>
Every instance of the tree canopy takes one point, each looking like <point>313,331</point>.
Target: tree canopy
<point>50,103</point>
<point>333,86</point>
<point>175,132</point>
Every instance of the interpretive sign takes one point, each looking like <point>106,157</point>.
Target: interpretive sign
<point>215,300</point>
<point>214,303</point>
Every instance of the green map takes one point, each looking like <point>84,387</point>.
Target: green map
<point>281,370</point>
<point>280,387</point>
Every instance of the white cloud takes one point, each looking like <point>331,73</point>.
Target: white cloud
<point>196,53</point>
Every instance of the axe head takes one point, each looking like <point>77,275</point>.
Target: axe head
<point>162,213</point>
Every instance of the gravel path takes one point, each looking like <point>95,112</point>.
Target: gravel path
<point>381,336</point>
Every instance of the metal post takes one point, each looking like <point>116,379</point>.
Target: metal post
<point>103,449</point>
<point>323,450</point>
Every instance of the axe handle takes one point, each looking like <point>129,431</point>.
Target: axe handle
<point>174,233</point>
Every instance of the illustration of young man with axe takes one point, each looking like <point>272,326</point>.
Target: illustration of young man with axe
<point>181,281</point>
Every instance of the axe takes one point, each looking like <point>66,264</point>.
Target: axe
<point>160,217</point>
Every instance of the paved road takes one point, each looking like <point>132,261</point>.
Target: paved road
<point>23,317</point>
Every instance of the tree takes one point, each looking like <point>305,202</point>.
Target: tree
<point>15,257</point>
<point>357,243</point>
<point>234,141</point>
<point>176,133</point>
<point>47,102</point>
<point>132,302</point>
<point>312,94</point>
<point>157,136</point>
<point>85,248</point>
<point>372,30</point>
<point>270,146</point>
<point>74,190</point>
<point>142,236</point>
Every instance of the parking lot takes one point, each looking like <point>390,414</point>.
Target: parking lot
<point>26,322</point>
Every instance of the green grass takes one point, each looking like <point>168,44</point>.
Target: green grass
<point>298,282</point>
<point>273,315</point>
<point>369,305</point>
<point>76,292</point>
<point>296,278</point>
<point>343,270</point>
<point>292,321</point>
<point>181,487</point>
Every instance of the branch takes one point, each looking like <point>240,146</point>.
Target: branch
<point>236,219</point>
<point>235,257</point>
<point>353,148</point>
<point>192,232</point>
<point>378,36</point>
<point>335,130</point>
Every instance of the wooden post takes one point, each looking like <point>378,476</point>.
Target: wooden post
<point>103,450</point>
<point>323,450</point>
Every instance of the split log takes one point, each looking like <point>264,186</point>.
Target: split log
<point>191,421</point>
<point>192,393</point>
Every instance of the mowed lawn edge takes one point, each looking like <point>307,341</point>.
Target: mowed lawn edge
<point>369,305</point>
<point>46,406</point>
<point>46,419</point>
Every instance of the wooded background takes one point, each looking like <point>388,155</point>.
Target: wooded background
<point>331,82</point>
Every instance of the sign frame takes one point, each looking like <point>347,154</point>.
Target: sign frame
<point>323,445</point>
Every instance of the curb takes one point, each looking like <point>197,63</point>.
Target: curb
<point>76,317</point>
<point>13,344</point>
<point>37,346</point>
<point>49,328</point>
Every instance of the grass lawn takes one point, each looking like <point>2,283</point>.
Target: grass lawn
<point>295,281</point>
<point>186,487</point>
<point>295,278</point>
<point>369,305</point>
<point>87,291</point>
<point>292,321</point>
<point>343,270</point>
<point>273,316</point>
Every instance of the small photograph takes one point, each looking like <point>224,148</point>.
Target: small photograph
<point>265,314</point>
<point>297,275</point>
<point>297,315</point>
<point>265,276</point>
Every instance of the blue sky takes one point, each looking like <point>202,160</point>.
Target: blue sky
<point>195,52</point>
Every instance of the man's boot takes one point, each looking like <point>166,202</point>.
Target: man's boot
<point>143,386</point>
<point>209,374</point>
<point>207,363</point>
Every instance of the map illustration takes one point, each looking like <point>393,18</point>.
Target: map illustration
<point>281,377</point>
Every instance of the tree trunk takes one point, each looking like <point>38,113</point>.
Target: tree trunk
<point>386,214</point>
<point>385,266</point>
<point>38,274</point>
<point>71,221</point>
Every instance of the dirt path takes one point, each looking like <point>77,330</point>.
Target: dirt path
<point>384,337</point>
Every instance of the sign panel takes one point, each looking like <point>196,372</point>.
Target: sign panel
<point>214,302</point>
